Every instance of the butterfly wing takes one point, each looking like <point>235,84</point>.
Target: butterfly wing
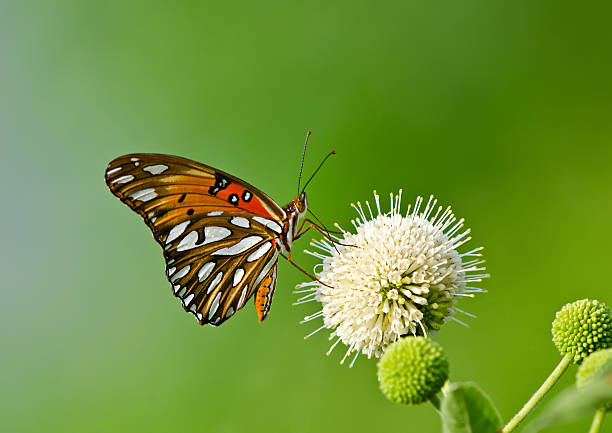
<point>218,262</point>
<point>218,232</point>
<point>264,293</point>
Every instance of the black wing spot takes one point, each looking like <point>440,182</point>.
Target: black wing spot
<point>233,199</point>
<point>247,195</point>
<point>220,184</point>
<point>190,212</point>
<point>180,200</point>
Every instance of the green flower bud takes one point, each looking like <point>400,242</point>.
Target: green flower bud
<point>582,327</point>
<point>591,367</point>
<point>412,370</point>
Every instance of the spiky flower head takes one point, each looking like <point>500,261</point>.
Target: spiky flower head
<point>398,274</point>
<point>592,366</point>
<point>582,327</point>
<point>412,370</point>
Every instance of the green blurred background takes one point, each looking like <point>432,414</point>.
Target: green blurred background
<point>502,109</point>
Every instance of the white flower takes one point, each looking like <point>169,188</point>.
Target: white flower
<point>397,275</point>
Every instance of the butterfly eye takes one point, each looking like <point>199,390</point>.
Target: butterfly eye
<point>302,203</point>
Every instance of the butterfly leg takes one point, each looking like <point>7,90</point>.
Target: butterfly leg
<point>312,277</point>
<point>326,233</point>
<point>312,224</point>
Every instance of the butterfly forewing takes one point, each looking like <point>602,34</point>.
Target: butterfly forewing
<point>148,181</point>
<point>218,233</point>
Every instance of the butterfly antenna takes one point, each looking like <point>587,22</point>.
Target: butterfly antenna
<point>333,152</point>
<point>302,165</point>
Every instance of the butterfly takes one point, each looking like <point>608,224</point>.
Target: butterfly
<point>221,237</point>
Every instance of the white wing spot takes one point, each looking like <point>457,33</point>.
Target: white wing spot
<point>189,241</point>
<point>243,297</point>
<point>238,274</point>
<point>114,170</point>
<point>124,179</point>
<point>188,299</point>
<point>214,305</point>
<point>240,247</point>
<point>214,282</point>
<point>144,194</point>
<point>259,252</point>
<point>241,222</point>
<point>182,292</point>
<point>214,234</point>
<point>211,234</point>
<point>156,169</point>
<point>176,288</point>
<point>171,271</point>
<point>180,274</point>
<point>229,312</point>
<point>177,230</point>
<point>205,271</point>
<point>215,213</point>
<point>273,260</point>
<point>199,316</point>
<point>272,225</point>
<point>133,159</point>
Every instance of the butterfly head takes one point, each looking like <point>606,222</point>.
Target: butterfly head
<point>300,204</point>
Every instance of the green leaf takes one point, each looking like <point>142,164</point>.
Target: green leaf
<point>573,403</point>
<point>466,408</point>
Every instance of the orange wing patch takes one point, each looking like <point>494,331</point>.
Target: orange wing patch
<point>263,296</point>
<point>243,199</point>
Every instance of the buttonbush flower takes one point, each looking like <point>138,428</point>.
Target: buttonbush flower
<point>397,274</point>
<point>582,327</point>
<point>412,370</point>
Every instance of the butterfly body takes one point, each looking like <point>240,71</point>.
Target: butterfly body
<point>221,237</point>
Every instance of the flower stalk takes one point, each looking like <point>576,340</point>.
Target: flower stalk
<point>598,419</point>
<point>540,393</point>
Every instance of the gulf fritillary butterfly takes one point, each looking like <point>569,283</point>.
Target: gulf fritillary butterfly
<point>221,237</point>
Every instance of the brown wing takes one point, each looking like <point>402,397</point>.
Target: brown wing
<point>218,232</point>
<point>157,183</point>
<point>215,265</point>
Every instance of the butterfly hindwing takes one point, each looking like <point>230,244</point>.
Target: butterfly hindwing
<point>215,263</point>
<point>218,232</point>
<point>264,293</point>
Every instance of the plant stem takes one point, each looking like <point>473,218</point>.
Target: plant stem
<point>539,394</point>
<point>600,414</point>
